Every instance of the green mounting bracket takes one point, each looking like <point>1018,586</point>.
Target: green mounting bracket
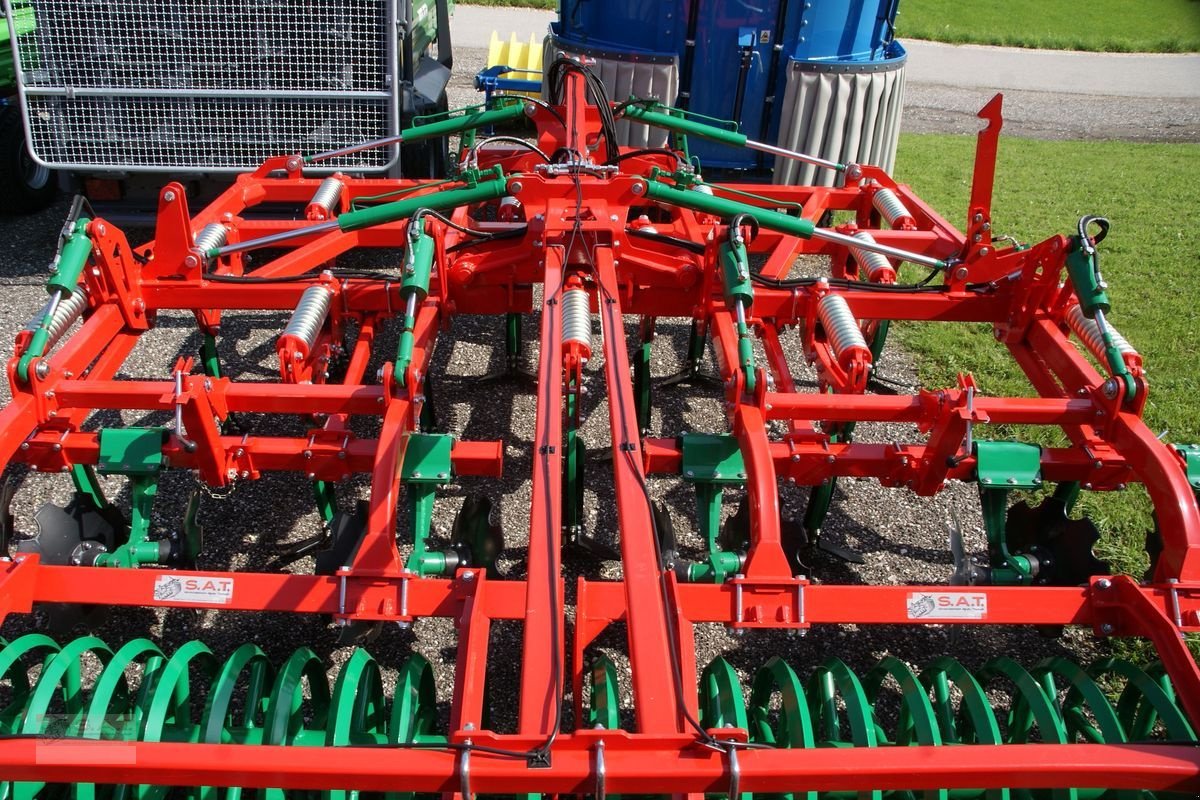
<point>426,466</point>
<point>1191,458</point>
<point>1008,465</point>
<point>137,453</point>
<point>1000,468</point>
<point>710,462</point>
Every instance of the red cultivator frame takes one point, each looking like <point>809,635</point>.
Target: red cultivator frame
<point>607,234</point>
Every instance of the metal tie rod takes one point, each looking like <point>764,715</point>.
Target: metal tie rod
<point>797,156</point>
<point>732,138</point>
<point>875,247</point>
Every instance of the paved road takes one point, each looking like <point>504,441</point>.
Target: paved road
<point>1049,94</point>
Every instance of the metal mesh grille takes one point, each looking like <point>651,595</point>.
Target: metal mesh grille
<point>207,84</point>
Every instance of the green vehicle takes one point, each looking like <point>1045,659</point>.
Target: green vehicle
<point>117,97</point>
<point>27,185</point>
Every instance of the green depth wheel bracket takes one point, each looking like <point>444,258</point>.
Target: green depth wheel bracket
<point>1191,460</point>
<point>1001,467</point>
<point>137,454</point>
<point>711,462</point>
<point>426,466</point>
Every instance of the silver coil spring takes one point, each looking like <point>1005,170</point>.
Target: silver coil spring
<point>576,318</point>
<point>841,329</point>
<point>870,262</point>
<point>1088,331</point>
<point>211,236</point>
<point>889,206</point>
<point>328,196</point>
<point>69,309</point>
<point>310,315</point>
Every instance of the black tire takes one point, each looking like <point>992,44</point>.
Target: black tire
<point>426,158</point>
<point>28,186</point>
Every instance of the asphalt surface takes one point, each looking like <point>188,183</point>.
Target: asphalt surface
<point>902,539</point>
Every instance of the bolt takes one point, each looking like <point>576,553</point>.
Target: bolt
<point>1110,388</point>
<point>1103,583</point>
<point>1012,481</point>
<point>43,369</point>
<point>961,273</point>
<point>639,189</point>
<point>795,456</point>
<point>191,262</point>
<point>308,453</point>
<point>690,473</point>
<point>24,445</point>
<point>530,109</point>
<point>983,251</point>
<point>978,217</point>
<point>468,576</point>
<point>613,218</point>
<point>1107,629</point>
<point>1120,487</point>
<point>830,459</point>
<point>169,197</point>
<point>515,187</point>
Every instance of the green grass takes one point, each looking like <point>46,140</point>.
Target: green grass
<point>1149,260</point>
<point>551,5</point>
<point>1117,26</point>
<point>1123,26</point>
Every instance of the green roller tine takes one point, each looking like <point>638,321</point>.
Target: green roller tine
<point>414,703</point>
<point>975,721</point>
<point>722,704</point>
<point>605,707</point>
<point>11,657</point>
<point>916,710</point>
<point>213,723</point>
<point>1143,702</point>
<point>112,683</point>
<point>1084,691</point>
<point>11,666</point>
<point>171,702</point>
<point>794,716</point>
<point>61,672</point>
<point>917,717</point>
<point>414,708</point>
<point>356,706</point>
<point>284,722</point>
<point>1029,705</point>
<point>834,678</point>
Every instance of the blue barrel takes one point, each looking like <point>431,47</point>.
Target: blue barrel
<point>724,58</point>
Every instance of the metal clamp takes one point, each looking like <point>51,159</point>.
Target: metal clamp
<point>601,772</point>
<point>735,772</point>
<point>464,771</point>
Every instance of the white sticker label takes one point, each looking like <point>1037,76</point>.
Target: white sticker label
<point>181,589</point>
<point>947,605</point>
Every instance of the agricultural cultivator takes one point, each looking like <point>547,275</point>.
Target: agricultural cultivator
<point>570,229</point>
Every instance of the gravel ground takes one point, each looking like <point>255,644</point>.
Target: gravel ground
<point>902,538</point>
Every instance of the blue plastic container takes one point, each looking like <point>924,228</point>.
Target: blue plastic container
<point>736,68</point>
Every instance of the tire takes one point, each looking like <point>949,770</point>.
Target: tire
<point>426,158</point>
<point>28,186</point>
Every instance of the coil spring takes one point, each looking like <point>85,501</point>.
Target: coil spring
<point>309,315</point>
<point>69,309</point>
<point>211,236</point>
<point>576,318</point>
<point>1088,331</point>
<point>1056,701</point>
<point>841,329</point>
<point>249,701</point>
<point>890,207</point>
<point>328,196</point>
<point>874,264</point>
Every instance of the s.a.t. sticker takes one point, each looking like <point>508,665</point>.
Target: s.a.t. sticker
<point>947,605</point>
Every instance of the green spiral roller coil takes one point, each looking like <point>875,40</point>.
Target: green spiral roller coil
<point>1056,702</point>
<point>247,701</point>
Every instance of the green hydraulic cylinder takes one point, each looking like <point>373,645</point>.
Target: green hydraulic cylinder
<point>683,125</point>
<point>739,293</point>
<point>414,288</point>
<point>724,207</point>
<point>62,284</point>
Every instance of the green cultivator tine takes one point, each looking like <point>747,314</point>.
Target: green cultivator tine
<point>605,705</point>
